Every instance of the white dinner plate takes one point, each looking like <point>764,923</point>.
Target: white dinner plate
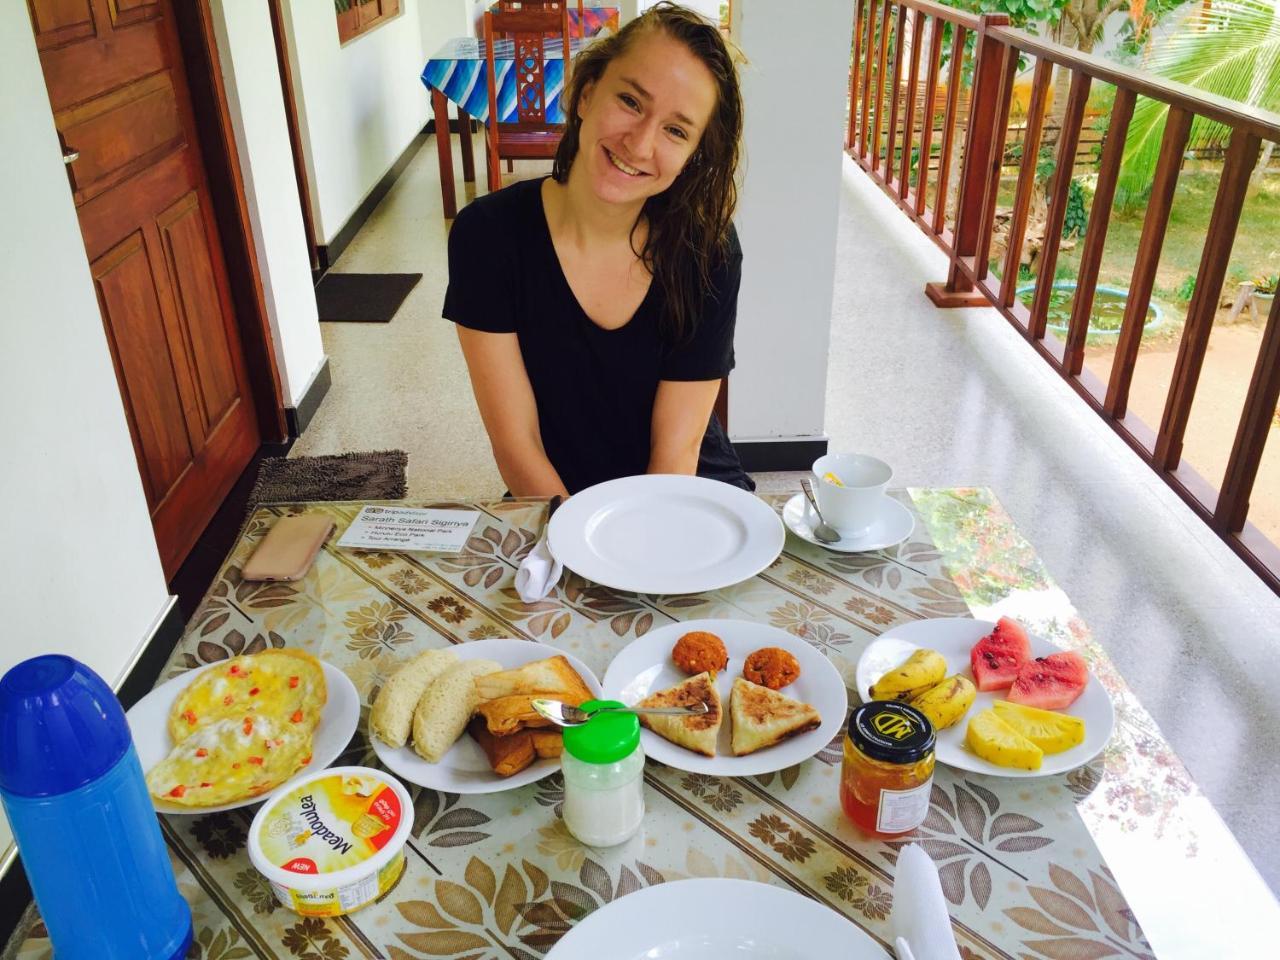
<point>665,534</point>
<point>893,524</point>
<point>645,666</point>
<point>954,638</point>
<point>149,724</point>
<point>465,768</point>
<point>715,919</point>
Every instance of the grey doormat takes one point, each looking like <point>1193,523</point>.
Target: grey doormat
<point>363,297</point>
<point>374,475</point>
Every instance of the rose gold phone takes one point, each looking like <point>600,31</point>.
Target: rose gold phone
<point>289,548</point>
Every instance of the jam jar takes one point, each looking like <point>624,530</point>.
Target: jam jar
<point>888,767</point>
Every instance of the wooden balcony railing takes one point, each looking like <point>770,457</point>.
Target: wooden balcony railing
<point>903,40</point>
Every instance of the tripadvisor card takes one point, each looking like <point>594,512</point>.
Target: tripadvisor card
<point>409,528</point>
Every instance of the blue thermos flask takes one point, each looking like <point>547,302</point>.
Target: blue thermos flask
<point>74,794</point>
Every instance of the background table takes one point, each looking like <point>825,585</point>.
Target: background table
<point>497,876</point>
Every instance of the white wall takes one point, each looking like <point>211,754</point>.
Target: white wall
<point>79,572</point>
<point>788,212</point>
<point>359,105</point>
<point>256,99</point>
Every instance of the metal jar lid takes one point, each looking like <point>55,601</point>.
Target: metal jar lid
<point>891,731</point>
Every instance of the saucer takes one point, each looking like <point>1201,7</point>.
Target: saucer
<point>893,524</point>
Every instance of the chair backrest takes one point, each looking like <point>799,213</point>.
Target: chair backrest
<point>528,29</point>
<point>506,6</point>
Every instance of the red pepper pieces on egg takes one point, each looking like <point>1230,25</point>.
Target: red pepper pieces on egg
<point>256,761</point>
<point>297,717</point>
<point>206,785</point>
<point>293,683</point>
<point>253,692</point>
<point>228,700</point>
<point>178,791</point>
<point>248,726</point>
<point>235,670</point>
<point>190,717</point>
<point>202,752</point>
<point>306,760</point>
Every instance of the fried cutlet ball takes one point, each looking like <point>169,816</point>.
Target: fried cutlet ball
<point>700,651</point>
<point>771,667</point>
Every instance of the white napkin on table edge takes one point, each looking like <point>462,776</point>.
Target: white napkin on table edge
<point>920,914</point>
<point>538,573</point>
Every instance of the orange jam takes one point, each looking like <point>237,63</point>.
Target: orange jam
<point>888,768</point>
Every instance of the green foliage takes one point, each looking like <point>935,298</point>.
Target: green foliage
<point>1077,217</point>
<point>1231,50</point>
<point>1266,284</point>
<point>1135,33</point>
<point>1064,271</point>
<point>1186,289</point>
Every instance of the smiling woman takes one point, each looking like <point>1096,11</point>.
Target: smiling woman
<point>596,307</point>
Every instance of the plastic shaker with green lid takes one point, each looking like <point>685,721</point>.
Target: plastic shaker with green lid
<point>603,777</point>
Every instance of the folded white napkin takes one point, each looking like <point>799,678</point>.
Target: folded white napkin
<point>539,572</point>
<point>919,911</point>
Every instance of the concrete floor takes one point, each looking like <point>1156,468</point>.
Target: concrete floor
<point>949,398</point>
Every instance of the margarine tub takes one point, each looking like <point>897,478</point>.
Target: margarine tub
<point>334,841</point>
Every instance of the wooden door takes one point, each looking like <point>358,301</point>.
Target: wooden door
<point>120,101</point>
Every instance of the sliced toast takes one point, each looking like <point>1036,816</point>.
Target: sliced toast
<point>697,733</point>
<point>551,677</point>
<point>762,717</point>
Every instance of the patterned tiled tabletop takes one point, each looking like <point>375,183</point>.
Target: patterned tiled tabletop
<point>498,876</point>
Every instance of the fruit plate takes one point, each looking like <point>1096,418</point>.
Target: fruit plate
<point>953,638</point>
<point>465,769</point>
<point>644,666</point>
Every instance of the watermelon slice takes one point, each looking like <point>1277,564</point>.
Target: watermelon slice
<point>996,659</point>
<point>1050,683</point>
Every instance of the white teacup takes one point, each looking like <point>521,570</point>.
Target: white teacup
<point>852,508</point>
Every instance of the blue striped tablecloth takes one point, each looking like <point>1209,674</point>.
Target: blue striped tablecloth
<point>459,71</point>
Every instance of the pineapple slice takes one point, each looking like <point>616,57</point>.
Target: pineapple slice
<point>1051,732</point>
<point>995,741</point>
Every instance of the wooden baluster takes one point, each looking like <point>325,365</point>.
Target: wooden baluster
<point>930,107</point>
<point>854,72</point>
<point>866,76</point>
<point>1068,140</point>
<point>1095,236</point>
<point>1251,436</point>
<point>1242,155</point>
<point>949,127</point>
<point>908,124</point>
<point>1177,128</point>
<point>1026,181</point>
<point>899,39</point>
<point>995,163</point>
<point>881,63</point>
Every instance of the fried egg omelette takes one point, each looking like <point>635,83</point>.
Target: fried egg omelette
<point>287,685</point>
<point>231,759</point>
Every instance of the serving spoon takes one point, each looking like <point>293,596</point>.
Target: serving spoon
<point>564,715</point>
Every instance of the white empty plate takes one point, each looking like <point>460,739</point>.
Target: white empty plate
<point>715,919</point>
<point>149,724</point>
<point>465,768</point>
<point>665,534</point>
<point>954,637</point>
<point>645,666</point>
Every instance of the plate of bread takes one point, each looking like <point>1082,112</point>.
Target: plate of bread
<point>225,735</point>
<point>773,700</point>
<point>460,718</point>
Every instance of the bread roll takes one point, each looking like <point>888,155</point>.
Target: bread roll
<point>446,706</point>
<point>392,715</point>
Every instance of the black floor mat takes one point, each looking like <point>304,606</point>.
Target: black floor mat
<point>363,297</point>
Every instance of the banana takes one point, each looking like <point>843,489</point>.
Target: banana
<point>914,676</point>
<point>946,702</point>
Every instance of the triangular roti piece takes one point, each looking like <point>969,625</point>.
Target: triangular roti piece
<point>696,733</point>
<point>762,717</point>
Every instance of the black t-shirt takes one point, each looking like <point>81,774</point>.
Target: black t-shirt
<point>594,388</point>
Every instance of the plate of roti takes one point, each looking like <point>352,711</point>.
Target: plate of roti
<point>773,700</point>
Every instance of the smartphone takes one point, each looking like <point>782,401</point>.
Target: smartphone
<point>289,548</point>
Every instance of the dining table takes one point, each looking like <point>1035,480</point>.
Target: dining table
<point>1120,857</point>
<point>458,73</point>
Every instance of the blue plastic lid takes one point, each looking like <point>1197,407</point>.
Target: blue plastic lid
<point>60,727</point>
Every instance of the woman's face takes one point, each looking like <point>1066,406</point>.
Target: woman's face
<point>643,119</point>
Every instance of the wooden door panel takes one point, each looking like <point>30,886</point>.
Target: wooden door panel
<point>120,133</point>
<point>139,342</point>
<point>105,60</point>
<point>126,12</point>
<point>200,313</point>
<point>60,21</point>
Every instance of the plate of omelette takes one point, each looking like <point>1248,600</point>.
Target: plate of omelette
<point>227,734</point>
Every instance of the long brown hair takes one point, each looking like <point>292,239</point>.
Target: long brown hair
<point>689,223</point>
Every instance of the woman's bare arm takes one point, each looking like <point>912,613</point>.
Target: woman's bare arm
<point>681,410</point>
<point>510,414</point>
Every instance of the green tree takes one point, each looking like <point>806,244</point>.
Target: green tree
<point>1232,50</point>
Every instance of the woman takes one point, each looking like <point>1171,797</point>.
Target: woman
<point>596,308</point>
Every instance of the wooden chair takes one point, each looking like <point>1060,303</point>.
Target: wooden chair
<point>507,6</point>
<point>531,137</point>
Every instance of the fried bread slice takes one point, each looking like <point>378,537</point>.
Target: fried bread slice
<point>762,717</point>
<point>507,755</point>
<point>506,715</point>
<point>549,677</point>
<point>698,732</point>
